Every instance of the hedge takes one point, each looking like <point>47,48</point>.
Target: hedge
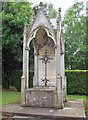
<point>16,79</point>
<point>76,81</point>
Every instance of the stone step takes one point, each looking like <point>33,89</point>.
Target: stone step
<point>27,118</point>
<point>18,117</point>
<point>73,111</point>
<point>39,118</point>
<point>5,118</point>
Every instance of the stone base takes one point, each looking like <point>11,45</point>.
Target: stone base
<point>74,110</point>
<point>42,97</point>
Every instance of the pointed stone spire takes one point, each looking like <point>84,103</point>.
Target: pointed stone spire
<point>41,5</point>
<point>59,14</point>
<point>59,11</point>
<point>59,18</point>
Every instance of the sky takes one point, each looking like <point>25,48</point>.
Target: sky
<point>64,4</point>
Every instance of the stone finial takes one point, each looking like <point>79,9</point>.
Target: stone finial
<point>59,10</point>
<point>59,18</point>
<point>59,15</point>
<point>41,5</point>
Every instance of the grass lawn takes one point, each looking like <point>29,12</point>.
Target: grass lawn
<point>13,96</point>
<point>10,97</point>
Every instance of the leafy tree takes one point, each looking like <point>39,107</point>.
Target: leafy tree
<point>50,10</point>
<point>14,16</point>
<point>74,27</point>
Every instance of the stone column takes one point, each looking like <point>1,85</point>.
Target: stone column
<point>35,81</point>
<point>58,67</point>
<point>65,92</point>
<point>27,80</point>
<point>63,76</point>
<point>24,74</point>
<point>27,67</point>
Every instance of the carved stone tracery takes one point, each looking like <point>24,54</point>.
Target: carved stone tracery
<point>46,41</point>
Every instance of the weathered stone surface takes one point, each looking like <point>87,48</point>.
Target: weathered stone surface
<point>74,110</point>
<point>41,97</point>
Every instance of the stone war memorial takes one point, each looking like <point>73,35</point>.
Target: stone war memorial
<point>49,83</point>
<point>47,99</point>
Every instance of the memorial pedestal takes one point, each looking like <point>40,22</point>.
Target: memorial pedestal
<point>41,97</point>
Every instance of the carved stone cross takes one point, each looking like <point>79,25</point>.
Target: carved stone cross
<point>46,59</point>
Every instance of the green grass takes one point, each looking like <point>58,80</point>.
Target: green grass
<point>0,97</point>
<point>76,97</point>
<point>10,97</point>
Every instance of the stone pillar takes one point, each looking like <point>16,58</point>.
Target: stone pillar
<point>65,92</point>
<point>63,73</point>
<point>63,76</point>
<point>58,66</point>
<point>27,49</point>
<point>24,74</point>
<point>35,81</point>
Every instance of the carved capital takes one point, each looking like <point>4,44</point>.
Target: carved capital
<point>62,52</point>
<point>58,76</point>
<point>56,46</point>
<point>27,48</point>
<point>23,77</point>
<point>36,53</point>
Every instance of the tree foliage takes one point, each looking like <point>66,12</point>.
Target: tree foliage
<point>14,16</point>
<point>74,27</point>
<point>50,10</point>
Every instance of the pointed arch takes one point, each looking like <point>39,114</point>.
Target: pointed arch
<point>33,35</point>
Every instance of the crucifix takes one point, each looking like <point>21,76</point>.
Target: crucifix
<point>46,59</point>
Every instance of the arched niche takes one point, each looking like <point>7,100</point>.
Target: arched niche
<point>44,48</point>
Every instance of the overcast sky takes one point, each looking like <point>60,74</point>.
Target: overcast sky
<point>64,4</point>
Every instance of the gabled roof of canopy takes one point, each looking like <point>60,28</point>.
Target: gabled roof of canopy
<point>42,20</point>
